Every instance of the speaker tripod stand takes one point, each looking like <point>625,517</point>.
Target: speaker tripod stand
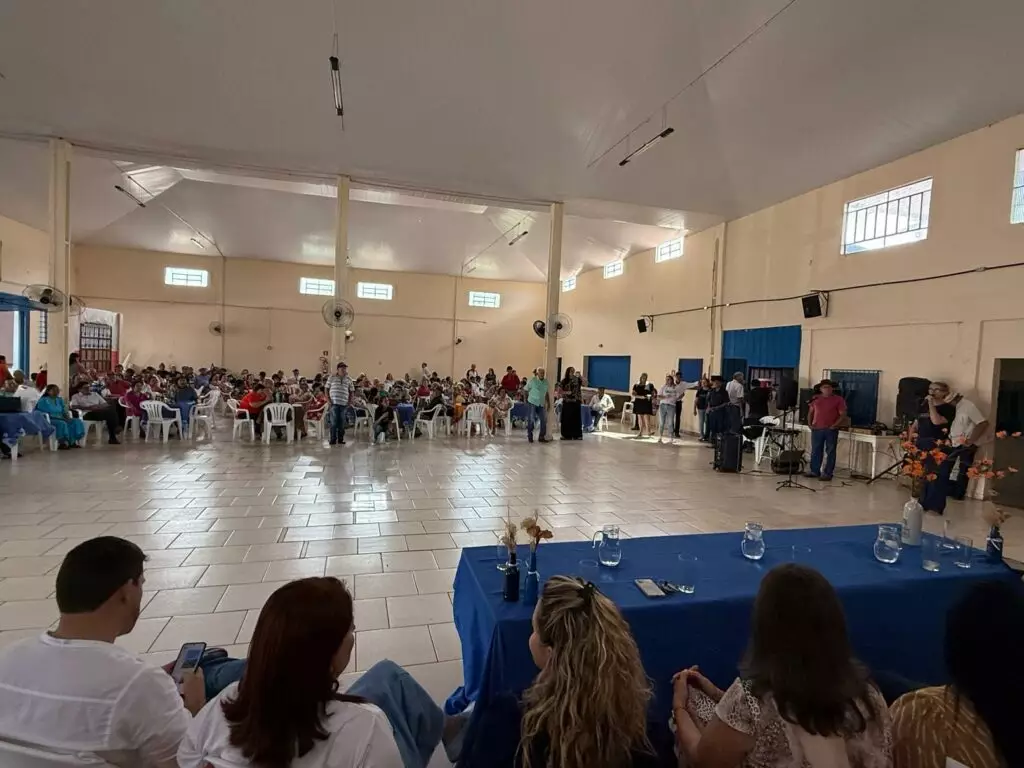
<point>790,435</point>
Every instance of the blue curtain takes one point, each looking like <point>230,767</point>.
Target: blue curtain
<point>777,347</point>
<point>609,371</point>
<point>691,368</point>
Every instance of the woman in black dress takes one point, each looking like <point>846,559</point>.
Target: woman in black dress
<point>572,424</point>
<point>643,406</point>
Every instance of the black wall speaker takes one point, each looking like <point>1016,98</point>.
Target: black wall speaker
<point>815,305</point>
<point>786,396</point>
<point>643,325</point>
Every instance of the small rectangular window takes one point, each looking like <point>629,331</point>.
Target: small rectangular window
<point>569,284</point>
<point>1017,201</point>
<point>670,249</point>
<point>314,286</point>
<point>382,291</point>
<point>889,218</point>
<point>44,327</point>
<point>484,299</point>
<point>613,270</point>
<point>190,278</point>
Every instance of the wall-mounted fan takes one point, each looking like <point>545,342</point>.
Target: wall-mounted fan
<point>48,298</point>
<point>338,313</point>
<point>216,328</point>
<point>557,325</point>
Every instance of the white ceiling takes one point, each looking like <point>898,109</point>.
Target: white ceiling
<point>518,101</point>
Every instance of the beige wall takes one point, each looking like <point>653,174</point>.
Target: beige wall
<point>25,260</point>
<point>954,328</point>
<point>269,324</point>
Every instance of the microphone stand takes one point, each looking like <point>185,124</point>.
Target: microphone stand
<point>789,482</point>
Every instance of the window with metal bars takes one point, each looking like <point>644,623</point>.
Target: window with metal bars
<point>889,218</point>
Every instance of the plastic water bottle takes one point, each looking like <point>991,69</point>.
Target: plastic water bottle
<point>913,517</point>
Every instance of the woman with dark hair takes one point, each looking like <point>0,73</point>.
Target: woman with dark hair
<point>643,406</point>
<point>287,712</point>
<point>801,699</point>
<point>571,418</point>
<point>976,719</point>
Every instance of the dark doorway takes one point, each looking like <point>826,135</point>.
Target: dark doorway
<point>1010,417</point>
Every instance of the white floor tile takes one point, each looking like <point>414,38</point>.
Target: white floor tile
<point>431,541</point>
<point>371,614</point>
<point>29,566</point>
<point>248,536</point>
<point>332,547</point>
<point>416,610</point>
<point>382,544</point>
<point>170,578</point>
<point>183,602</point>
<point>445,637</point>
<point>447,558</point>
<point>428,582</point>
<point>266,552</point>
<point>408,645</point>
<point>347,565</point>
<point>143,634</point>
<point>289,570</point>
<point>248,626</point>
<point>233,573</point>
<point>408,561</point>
<point>241,597</point>
<point>369,585</point>
<point>27,614</point>
<point>213,629</point>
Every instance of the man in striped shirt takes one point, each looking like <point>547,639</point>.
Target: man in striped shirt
<point>339,392</point>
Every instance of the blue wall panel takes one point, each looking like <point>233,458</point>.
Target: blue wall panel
<point>777,347</point>
<point>609,371</point>
<point>691,368</point>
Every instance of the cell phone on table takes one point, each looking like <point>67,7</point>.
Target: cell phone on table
<point>188,659</point>
<point>649,588</point>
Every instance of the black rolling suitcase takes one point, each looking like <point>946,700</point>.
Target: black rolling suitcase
<point>728,452</point>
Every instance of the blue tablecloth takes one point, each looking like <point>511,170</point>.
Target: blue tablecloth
<point>520,411</point>
<point>407,413</point>
<point>896,613</point>
<point>33,423</point>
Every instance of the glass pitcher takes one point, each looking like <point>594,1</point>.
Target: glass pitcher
<point>609,549</point>
<point>887,545</point>
<point>753,541</point>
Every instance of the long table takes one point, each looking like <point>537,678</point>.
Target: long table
<point>895,613</point>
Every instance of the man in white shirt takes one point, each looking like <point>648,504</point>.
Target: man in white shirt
<point>964,433</point>
<point>735,390</point>
<point>94,407</point>
<point>600,405</point>
<point>28,394</point>
<point>73,690</point>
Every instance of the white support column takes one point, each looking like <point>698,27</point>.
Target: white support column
<point>60,260</point>
<point>340,266</point>
<point>554,294</point>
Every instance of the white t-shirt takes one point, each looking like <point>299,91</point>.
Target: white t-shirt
<point>29,397</point>
<point>668,394</point>
<point>360,736</point>
<point>92,697</point>
<point>735,390</point>
<point>967,418</point>
<point>602,404</point>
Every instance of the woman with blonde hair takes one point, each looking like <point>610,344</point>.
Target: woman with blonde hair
<point>588,706</point>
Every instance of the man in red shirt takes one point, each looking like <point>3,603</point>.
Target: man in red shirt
<point>827,412</point>
<point>510,381</point>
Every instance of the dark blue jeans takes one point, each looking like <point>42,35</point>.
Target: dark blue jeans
<point>337,422</point>
<point>822,441</point>
<point>537,413</point>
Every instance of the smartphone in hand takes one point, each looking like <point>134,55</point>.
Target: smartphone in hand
<point>188,659</point>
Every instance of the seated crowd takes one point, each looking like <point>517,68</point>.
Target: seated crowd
<point>801,698</point>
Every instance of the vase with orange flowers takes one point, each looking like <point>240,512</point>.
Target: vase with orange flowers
<point>536,534</point>
<point>923,465</point>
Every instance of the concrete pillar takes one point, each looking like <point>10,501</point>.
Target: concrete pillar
<point>60,261</point>
<point>554,294</point>
<point>340,266</point>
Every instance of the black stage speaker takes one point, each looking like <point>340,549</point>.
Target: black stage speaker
<point>786,397</point>
<point>643,325</point>
<point>912,390</point>
<point>789,462</point>
<point>805,403</point>
<point>815,305</point>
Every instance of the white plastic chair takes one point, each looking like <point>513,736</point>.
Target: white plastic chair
<point>627,413</point>
<point>53,436</point>
<point>26,756</point>
<point>200,419</point>
<point>276,415</point>
<point>505,417</point>
<point>89,426</point>
<point>602,423</point>
<point>318,427</point>
<point>762,445</point>
<point>210,401</point>
<point>369,413</point>
<point>241,424</point>
<point>157,421</point>
<point>130,421</point>
<point>475,414</point>
<point>429,424</point>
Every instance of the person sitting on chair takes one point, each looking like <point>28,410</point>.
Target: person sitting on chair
<point>601,404</point>
<point>95,408</point>
<point>383,420</point>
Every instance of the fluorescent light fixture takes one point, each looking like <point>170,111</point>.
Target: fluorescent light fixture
<point>644,147</point>
<point>128,194</point>
<point>519,237</point>
<point>336,84</point>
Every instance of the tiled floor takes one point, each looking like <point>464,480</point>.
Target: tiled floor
<point>224,524</point>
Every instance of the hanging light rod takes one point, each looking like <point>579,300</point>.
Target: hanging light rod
<point>339,104</point>
<point>128,194</point>
<point>647,145</point>
<point>519,237</point>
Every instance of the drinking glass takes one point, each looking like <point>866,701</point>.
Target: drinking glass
<point>931,553</point>
<point>753,541</point>
<point>501,551</point>
<point>609,549</point>
<point>687,579</point>
<point>887,545</point>
<point>963,551</point>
